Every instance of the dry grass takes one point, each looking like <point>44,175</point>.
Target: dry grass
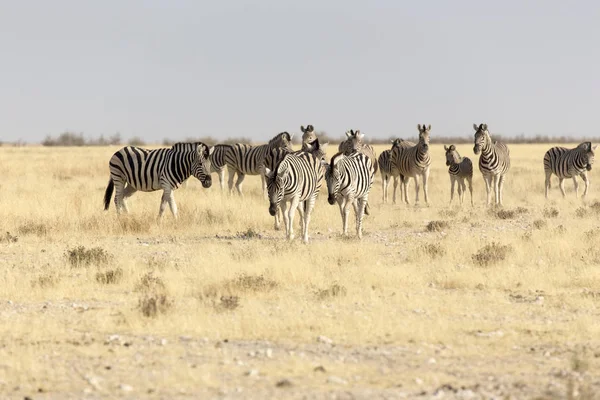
<point>423,301</point>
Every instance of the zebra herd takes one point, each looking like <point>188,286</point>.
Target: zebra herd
<point>291,180</point>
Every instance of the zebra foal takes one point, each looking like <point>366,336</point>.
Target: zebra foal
<point>217,162</point>
<point>459,169</point>
<point>494,162</point>
<point>296,180</point>
<point>349,179</point>
<point>244,159</point>
<point>569,163</point>
<point>134,168</point>
<point>413,162</point>
<point>388,169</point>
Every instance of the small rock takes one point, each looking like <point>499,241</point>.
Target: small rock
<point>418,381</point>
<point>269,353</point>
<point>431,361</point>
<point>337,380</point>
<point>185,338</point>
<point>284,383</point>
<point>324,339</point>
<point>252,372</point>
<point>125,388</point>
<point>163,342</point>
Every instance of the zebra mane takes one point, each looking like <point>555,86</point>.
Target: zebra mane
<point>191,147</point>
<point>281,136</point>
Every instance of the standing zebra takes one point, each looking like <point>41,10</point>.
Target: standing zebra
<point>349,180</point>
<point>296,180</point>
<point>217,162</point>
<point>134,168</point>
<point>276,155</point>
<point>494,162</point>
<point>569,163</point>
<point>245,159</point>
<point>388,170</point>
<point>354,142</point>
<point>412,162</point>
<point>460,168</point>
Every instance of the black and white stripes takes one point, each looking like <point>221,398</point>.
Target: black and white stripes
<point>135,168</point>
<point>459,169</point>
<point>569,163</point>
<point>494,162</point>
<point>349,180</point>
<point>217,162</point>
<point>388,169</point>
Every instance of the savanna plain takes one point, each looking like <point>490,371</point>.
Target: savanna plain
<point>439,301</point>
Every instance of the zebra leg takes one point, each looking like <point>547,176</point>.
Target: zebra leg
<point>230,181</point>
<point>488,184</point>
<point>221,174</point>
<point>576,186</point>
<point>345,212</point>
<point>278,218</point>
<point>263,180</point>
<point>359,209</point>
<point>470,182</point>
<point>561,185</point>
<point>284,213</point>
<point>462,189</point>
<point>417,190</point>
<point>127,192</point>
<point>425,186</point>
<point>119,189</point>
<point>238,183</point>
<point>547,185</point>
<point>310,204</point>
<point>384,184</point>
<point>301,215</point>
<point>587,183</point>
<point>292,211</point>
<point>167,197</point>
<point>452,181</point>
<point>396,187</point>
<point>496,183</point>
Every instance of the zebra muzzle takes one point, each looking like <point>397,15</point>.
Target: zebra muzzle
<point>588,167</point>
<point>331,199</point>
<point>206,183</point>
<point>272,209</point>
<point>476,150</point>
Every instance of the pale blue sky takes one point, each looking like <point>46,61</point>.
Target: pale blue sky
<point>178,69</point>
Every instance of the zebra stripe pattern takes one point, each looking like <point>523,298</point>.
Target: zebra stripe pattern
<point>349,180</point>
<point>388,170</point>
<point>459,169</point>
<point>296,180</point>
<point>413,162</point>
<point>245,159</point>
<point>354,142</point>
<point>569,163</point>
<point>135,168</point>
<point>494,162</point>
<point>217,162</point>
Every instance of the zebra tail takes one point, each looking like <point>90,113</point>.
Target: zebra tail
<point>108,193</point>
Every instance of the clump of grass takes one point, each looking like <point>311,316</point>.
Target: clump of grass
<point>491,254</point>
<point>227,303</point>
<point>448,213</point>
<point>150,283</point>
<point>154,299</point>
<point>560,229</point>
<point>110,276</point>
<point>254,283</point>
<point>130,224</point>
<point>433,250</point>
<point>503,214</point>
<point>250,233</point>
<point>335,290</point>
<point>8,238</point>
<point>592,234</point>
<point>158,261</point>
<point>45,281</point>
<point>33,228</point>
<point>212,218</point>
<point>521,210</point>
<point>581,212</point>
<point>550,212</point>
<point>540,223</point>
<point>80,256</point>
<point>437,226</point>
<point>595,207</point>
<point>591,255</point>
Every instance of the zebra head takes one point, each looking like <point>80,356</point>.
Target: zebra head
<point>354,141</point>
<point>283,139</point>
<point>452,156</point>
<point>333,177</point>
<point>396,143</point>
<point>588,150</point>
<point>275,185</point>
<point>482,137</point>
<point>424,136</point>
<point>308,135</point>
<point>201,164</point>
<point>318,150</point>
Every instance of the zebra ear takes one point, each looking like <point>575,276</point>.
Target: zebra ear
<point>475,127</point>
<point>429,127</point>
<point>268,173</point>
<point>446,148</point>
<point>452,147</point>
<point>419,127</point>
<point>302,128</point>
<point>349,133</point>
<point>485,127</point>
<point>594,147</point>
<point>211,149</point>
<point>360,135</point>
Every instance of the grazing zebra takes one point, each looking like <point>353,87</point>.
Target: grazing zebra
<point>460,168</point>
<point>134,168</point>
<point>276,155</point>
<point>354,142</point>
<point>388,170</point>
<point>412,162</point>
<point>296,180</point>
<point>217,162</point>
<point>569,163</point>
<point>349,180</point>
<point>494,162</point>
<point>245,159</point>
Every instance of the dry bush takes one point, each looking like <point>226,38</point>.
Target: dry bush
<point>241,283</point>
<point>433,250</point>
<point>250,233</point>
<point>45,281</point>
<point>503,213</point>
<point>590,256</point>
<point>551,212</point>
<point>110,276</point>
<point>8,238</point>
<point>560,229</point>
<point>437,226</point>
<point>150,283</point>
<point>335,290</point>
<point>33,228</point>
<point>154,298</point>
<point>227,303</point>
<point>130,224</point>
<point>540,223</point>
<point>80,256</point>
<point>491,254</point>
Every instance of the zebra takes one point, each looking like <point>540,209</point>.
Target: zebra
<point>387,169</point>
<point>569,163</point>
<point>217,162</point>
<point>349,179</point>
<point>460,168</point>
<point>296,180</point>
<point>354,142</point>
<point>245,159</point>
<point>134,168</point>
<point>494,162</point>
<point>276,155</point>
<point>308,137</point>
<point>412,162</point>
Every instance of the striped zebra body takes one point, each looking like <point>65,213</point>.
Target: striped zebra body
<point>217,162</point>
<point>494,162</point>
<point>349,180</point>
<point>296,180</point>
<point>459,169</point>
<point>135,168</point>
<point>244,159</point>
<point>413,162</point>
<point>388,169</point>
<point>354,142</point>
<point>569,163</point>
<point>276,155</point>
